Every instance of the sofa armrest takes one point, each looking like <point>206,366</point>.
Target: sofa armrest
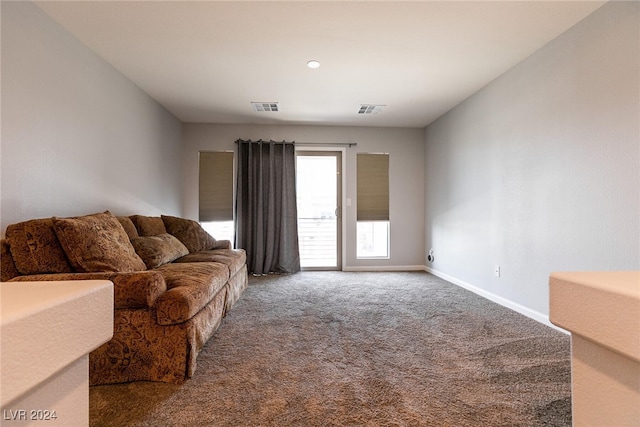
<point>138,289</point>
<point>222,244</point>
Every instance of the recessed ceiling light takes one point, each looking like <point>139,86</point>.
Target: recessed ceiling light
<point>313,64</point>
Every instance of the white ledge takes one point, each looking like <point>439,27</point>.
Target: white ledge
<point>603,307</point>
<point>47,326</point>
<point>602,312</point>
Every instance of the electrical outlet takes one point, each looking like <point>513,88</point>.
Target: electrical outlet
<point>497,271</point>
<point>430,256</point>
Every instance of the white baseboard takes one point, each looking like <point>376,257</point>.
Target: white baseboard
<point>385,268</point>
<point>535,315</point>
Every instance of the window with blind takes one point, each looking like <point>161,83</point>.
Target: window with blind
<point>372,205</point>
<point>216,193</point>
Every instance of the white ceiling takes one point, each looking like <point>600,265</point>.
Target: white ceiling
<point>206,61</point>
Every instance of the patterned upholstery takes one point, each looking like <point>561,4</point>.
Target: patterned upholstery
<point>234,259</point>
<point>235,286</point>
<point>35,247</point>
<point>158,250</point>
<point>163,316</point>
<point>97,242</point>
<point>148,225</point>
<point>139,289</point>
<point>128,226</point>
<point>190,286</point>
<point>7,266</point>
<point>190,233</point>
<point>160,353</point>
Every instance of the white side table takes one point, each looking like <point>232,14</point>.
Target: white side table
<point>47,331</point>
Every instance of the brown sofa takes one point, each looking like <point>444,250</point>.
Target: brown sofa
<point>173,284</point>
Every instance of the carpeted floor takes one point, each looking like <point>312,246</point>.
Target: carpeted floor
<point>360,349</point>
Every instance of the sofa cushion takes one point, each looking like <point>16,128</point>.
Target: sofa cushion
<point>128,226</point>
<point>97,243</point>
<point>190,287</point>
<point>234,259</point>
<point>158,250</point>
<point>190,233</point>
<point>8,268</point>
<point>35,247</point>
<point>148,225</point>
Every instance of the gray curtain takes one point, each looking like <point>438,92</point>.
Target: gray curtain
<point>266,212</point>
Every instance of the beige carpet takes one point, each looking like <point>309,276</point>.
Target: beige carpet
<point>360,349</point>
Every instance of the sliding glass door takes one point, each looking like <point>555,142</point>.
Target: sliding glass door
<point>319,191</point>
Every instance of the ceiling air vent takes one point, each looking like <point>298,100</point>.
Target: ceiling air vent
<point>370,109</point>
<point>262,107</point>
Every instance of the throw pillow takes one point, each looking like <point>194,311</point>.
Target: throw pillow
<point>148,225</point>
<point>35,247</point>
<point>128,226</point>
<point>190,233</point>
<point>158,250</point>
<point>97,243</point>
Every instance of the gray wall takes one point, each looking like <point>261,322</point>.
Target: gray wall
<point>406,177</point>
<point>540,170</point>
<point>77,136</point>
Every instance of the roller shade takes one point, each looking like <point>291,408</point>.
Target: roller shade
<point>373,187</point>
<point>216,186</point>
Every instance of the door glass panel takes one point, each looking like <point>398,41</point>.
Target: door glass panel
<point>317,194</point>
